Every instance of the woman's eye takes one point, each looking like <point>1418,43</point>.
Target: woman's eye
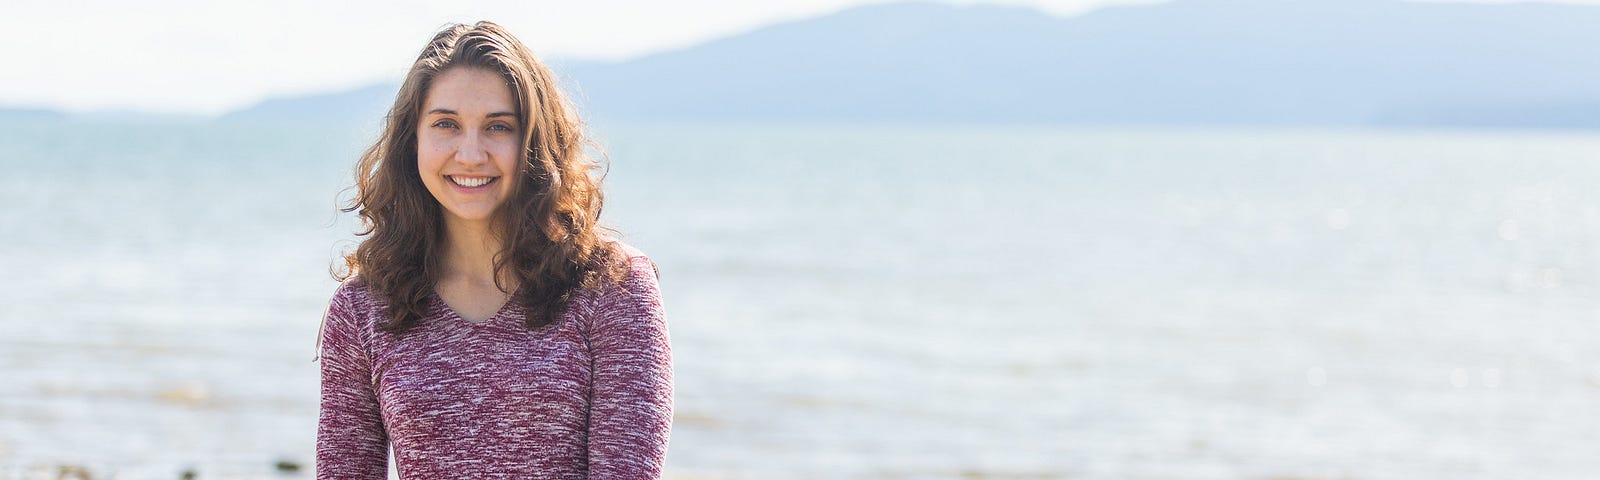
<point>500,127</point>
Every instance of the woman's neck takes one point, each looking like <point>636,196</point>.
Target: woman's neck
<point>470,248</point>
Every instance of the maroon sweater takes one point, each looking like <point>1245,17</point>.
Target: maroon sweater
<point>589,396</point>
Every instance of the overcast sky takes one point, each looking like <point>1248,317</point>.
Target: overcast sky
<point>210,56</point>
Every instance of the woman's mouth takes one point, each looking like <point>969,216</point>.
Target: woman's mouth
<point>471,183</point>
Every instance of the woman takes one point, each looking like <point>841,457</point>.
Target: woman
<point>486,327</point>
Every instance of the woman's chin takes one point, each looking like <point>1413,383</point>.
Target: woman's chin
<point>469,215</point>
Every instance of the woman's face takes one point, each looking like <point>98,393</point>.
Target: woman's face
<point>469,143</point>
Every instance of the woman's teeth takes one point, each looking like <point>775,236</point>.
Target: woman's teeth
<point>471,182</point>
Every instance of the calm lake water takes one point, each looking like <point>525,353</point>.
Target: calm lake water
<point>873,302</point>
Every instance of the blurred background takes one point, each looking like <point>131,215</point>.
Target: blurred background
<point>1034,239</point>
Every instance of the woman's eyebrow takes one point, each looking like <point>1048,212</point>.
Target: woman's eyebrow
<point>447,111</point>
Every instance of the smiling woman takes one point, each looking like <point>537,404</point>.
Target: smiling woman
<point>468,141</point>
<point>487,328</point>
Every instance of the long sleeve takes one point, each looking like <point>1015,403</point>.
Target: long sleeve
<point>631,406</point>
<point>351,441</point>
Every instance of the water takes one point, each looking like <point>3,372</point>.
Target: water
<point>873,302</point>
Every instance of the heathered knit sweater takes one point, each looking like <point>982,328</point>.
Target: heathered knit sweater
<point>587,397</point>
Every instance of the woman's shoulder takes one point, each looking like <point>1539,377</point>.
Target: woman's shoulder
<point>631,274</point>
<point>348,317</point>
<point>640,267</point>
<point>630,298</point>
<point>355,295</point>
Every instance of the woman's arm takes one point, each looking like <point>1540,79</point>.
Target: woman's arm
<point>351,440</point>
<point>630,413</point>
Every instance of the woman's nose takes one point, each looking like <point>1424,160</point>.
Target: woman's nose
<point>471,149</point>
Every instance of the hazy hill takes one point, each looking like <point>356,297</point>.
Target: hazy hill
<point>1274,62</point>
<point>364,103</point>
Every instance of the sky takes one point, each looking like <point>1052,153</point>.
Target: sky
<point>208,57</point>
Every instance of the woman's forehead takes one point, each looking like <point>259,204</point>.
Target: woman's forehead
<point>469,92</point>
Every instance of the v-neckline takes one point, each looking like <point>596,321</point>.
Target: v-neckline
<point>456,316</point>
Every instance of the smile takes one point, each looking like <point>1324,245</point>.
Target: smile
<point>470,182</point>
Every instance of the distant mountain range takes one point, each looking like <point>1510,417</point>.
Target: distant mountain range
<point>1186,62</point>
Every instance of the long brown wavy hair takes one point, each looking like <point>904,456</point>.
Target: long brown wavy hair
<point>549,226</point>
